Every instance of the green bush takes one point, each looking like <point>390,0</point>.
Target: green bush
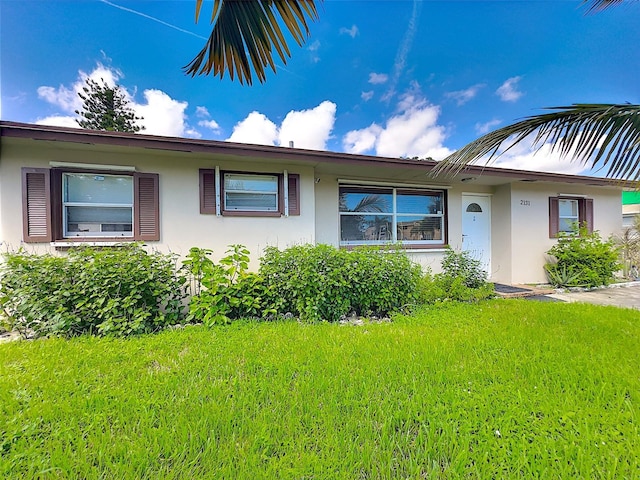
<point>583,260</point>
<point>224,291</point>
<point>461,265</point>
<point>112,291</point>
<point>462,280</point>
<point>321,282</point>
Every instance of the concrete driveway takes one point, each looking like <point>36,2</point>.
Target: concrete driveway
<point>626,295</point>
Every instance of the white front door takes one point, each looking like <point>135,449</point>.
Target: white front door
<point>476,228</point>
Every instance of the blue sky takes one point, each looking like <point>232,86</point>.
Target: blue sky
<point>382,77</point>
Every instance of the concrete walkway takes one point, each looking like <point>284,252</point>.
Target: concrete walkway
<point>626,295</point>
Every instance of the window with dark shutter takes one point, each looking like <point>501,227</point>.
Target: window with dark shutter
<point>207,192</point>
<point>248,194</point>
<point>36,206</point>
<point>565,210</point>
<point>146,205</point>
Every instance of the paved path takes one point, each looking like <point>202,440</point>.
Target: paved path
<point>621,295</point>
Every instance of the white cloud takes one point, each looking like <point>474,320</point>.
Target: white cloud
<point>352,32</point>
<point>309,128</point>
<point>366,96</point>
<point>378,78</point>
<point>58,121</point>
<point>463,96</point>
<point>361,141</point>
<point>256,128</point>
<point>202,112</point>
<point>306,128</point>
<point>412,132</point>
<point>508,91</point>
<point>523,156</point>
<point>67,98</point>
<point>162,114</point>
<point>210,124</point>
<point>482,128</point>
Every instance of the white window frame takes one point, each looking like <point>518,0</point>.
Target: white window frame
<point>99,234</point>
<point>395,216</point>
<point>254,208</point>
<point>574,219</point>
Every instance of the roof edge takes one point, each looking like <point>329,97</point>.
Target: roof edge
<point>137,140</point>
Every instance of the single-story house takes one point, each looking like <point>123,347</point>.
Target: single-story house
<point>62,186</point>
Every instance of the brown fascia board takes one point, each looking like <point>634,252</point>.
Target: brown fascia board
<point>297,155</point>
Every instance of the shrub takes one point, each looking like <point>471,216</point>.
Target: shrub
<point>224,291</point>
<point>461,265</point>
<point>112,291</point>
<point>462,280</point>
<point>321,282</point>
<point>582,260</point>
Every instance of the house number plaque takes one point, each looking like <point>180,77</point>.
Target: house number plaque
<point>525,203</point>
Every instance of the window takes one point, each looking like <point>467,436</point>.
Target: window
<point>78,205</point>
<point>249,194</point>
<point>377,215</point>
<point>97,205</point>
<point>567,212</point>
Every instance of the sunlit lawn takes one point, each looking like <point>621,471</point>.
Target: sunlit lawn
<point>500,389</point>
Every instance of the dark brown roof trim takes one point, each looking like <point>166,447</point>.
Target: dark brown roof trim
<point>216,147</point>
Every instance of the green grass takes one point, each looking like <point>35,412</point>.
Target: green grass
<point>501,389</point>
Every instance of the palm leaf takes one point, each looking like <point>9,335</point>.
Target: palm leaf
<point>599,5</point>
<point>602,136</point>
<point>245,33</point>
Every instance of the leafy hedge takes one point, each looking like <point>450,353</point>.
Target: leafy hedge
<point>125,290</point>
<point>321,282</point>
<point>118,291</point>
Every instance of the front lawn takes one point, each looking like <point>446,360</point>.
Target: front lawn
<point>500,389</point>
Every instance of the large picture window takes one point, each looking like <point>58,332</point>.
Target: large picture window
<point>378,215</point>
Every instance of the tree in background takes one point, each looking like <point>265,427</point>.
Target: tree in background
<point>106,108</point>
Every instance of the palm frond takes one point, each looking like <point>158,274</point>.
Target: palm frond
<point>602,136</point>
<point>599,5</point>
<point>245,33</point>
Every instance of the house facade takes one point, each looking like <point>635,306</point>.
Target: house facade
<point>60,187</point>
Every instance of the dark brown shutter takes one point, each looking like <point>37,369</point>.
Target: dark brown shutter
<point>207,192</point>
<point>56,204</point>
<point>294,194</point>
<point>36,205</point>
<point>146,206</point>
<point>586,213</point>
<point>554,217</point>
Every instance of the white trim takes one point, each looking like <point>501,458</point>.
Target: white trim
<point>63,244</point>
<point>348,181</point>
<point>217,183</point>
<point>576,195</point>
<point>92,166</point>
<point>286,193</point>
<point>477,194</point>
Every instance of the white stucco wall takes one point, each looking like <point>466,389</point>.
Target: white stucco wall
<point>519,210</point>
<point>181,224</point>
